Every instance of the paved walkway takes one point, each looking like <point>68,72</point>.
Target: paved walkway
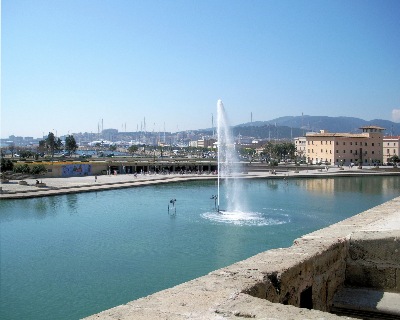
<point>367,303</point>
<point>55,186</point>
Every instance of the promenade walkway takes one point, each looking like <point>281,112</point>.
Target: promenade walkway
<point>56,186</point>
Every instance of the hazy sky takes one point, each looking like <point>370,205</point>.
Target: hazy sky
<point>67,64</point>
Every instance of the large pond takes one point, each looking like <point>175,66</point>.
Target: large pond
<point>67,257</point>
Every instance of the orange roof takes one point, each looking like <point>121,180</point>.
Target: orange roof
<point>340,135</point>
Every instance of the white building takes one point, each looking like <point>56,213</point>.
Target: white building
<point>391,147</point>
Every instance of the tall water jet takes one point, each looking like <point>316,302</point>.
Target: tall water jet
<point>228,164</point>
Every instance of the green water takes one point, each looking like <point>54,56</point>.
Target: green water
<point>68,257</point>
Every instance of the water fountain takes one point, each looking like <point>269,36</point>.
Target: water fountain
<point>228,165</point>
<point>230,185</point>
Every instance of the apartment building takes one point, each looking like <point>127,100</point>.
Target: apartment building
<point>346,148</point>
<point>391,147</point>
<point>300,144</point>
<point>206,143</point>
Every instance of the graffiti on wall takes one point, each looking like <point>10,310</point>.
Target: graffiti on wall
<point>76,170</point>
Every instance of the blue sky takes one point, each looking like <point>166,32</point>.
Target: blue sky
<point>67,64</point>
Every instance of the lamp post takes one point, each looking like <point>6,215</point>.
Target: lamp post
<point>340,163</point>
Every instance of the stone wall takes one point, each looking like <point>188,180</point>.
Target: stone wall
<point>310,279</point>
<point>374,260</point>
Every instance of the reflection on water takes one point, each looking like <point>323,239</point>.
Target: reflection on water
<point>272,184</point>
<point>40,205</point>
<point>72,202</point>
<point>371,185</point>
<point>70,256</point>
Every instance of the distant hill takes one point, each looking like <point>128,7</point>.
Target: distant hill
<point>268,132</point>
<point>290,124</point>
<point>290,127</point>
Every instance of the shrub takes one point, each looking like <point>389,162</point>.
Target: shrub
<point>38,169</point>
<point>273,163</point>
<point>24,168</point>
<point>6,165</point>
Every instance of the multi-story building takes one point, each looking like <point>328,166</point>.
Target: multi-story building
<point>300,144</point>
<point>346,148</point>
<point>206,143</point>
<point>391,148</point>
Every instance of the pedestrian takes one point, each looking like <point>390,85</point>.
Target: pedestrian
<point>95,178</point>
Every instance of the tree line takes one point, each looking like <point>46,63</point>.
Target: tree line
<point>52,144</point>
<point>49,145</point>
<point>270,152</point>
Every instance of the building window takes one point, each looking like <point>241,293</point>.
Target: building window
<point>387,151</point>
<point>351,143</point>
<point>356,143</point>
<point>344,151</point>
<point>373,152</point>
<point>337,151</point>
<point>366,144</point>
<point>373,144</point>
<point>344,143</point>
<point>337,143</point>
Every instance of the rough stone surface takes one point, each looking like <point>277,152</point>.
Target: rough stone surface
<point>373,260</point>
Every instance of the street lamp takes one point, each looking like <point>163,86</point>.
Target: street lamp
<point>340,163</point>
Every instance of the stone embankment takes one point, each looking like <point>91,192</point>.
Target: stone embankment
<point>42,187</point>
<point>358,257</point>
<point>29,188</point>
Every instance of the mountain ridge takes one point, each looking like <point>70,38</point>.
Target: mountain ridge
<point>332,124</point>
<point>289,127</point>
